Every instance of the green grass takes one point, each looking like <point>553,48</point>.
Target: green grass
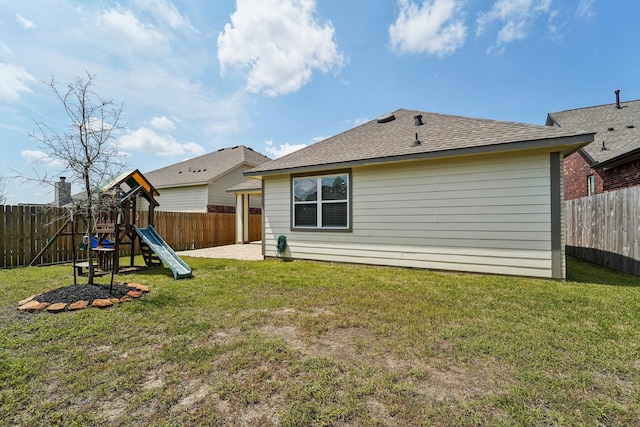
<point>315,344</point>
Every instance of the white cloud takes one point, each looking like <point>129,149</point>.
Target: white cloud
<point>434,28</point>
<point>356,122</point>
<point>317,139</point>
<point>40,157</point>
<point>149,141</point>
<point>14,81</point>
<point>26,24</point>
<point>280,42</point>
<point>162,123</point>
<point>283,150</point>
<point>516,18</point>
<point>124,23</point>
<point>585,9</point>
<point>167,12</point>
<point>5,49</point>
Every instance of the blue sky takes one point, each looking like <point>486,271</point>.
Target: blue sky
<point>277,75</point>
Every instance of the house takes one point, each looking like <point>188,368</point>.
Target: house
<point>612,162</point>
<point>243,192</point>
<point>200,184</point>
<point>424,190</point>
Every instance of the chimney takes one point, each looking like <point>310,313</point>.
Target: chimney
<point>618,99</point>
<point>63,192</point>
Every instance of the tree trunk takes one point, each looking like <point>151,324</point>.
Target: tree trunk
<point>90,227</point>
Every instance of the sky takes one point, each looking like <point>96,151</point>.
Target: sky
<point>278,75</point>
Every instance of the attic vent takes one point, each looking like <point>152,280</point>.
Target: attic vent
<point>610,129</point>
<point>418,120</point>
<point>386,118</point>
<point>630,126</point>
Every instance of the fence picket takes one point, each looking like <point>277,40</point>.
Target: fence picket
<point>25,230</point>
<point>605,229</point>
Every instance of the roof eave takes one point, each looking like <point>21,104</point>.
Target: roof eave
<point>618,160</point>
<point>566,144</point>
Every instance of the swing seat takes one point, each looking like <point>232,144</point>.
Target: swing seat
<point>81,266</point>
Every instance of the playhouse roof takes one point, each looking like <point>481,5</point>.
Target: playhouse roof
<point>135,183</point>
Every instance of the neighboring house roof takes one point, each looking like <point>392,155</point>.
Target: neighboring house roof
<point>202,169</point>
<point>392,138</point>
<point>617,130</point>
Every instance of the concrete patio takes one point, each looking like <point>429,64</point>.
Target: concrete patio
<point>246,252</point>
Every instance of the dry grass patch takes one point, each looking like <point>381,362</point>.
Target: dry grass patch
<point>289,344</point>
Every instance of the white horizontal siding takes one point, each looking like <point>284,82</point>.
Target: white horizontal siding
<point>183,199</point>
<point>276,212</point>
<point>218,195</point>
<point>488,214</point>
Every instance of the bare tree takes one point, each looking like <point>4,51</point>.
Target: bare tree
<point>87,151</point>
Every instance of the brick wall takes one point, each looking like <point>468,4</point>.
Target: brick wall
<point>624,176</point>
<point>230,209</point>
<point>576,171</point>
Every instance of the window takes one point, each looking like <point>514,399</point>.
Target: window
<point>321,202</point>
<point>591,183</point>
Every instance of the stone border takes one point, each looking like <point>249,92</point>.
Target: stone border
<point>31,304</point>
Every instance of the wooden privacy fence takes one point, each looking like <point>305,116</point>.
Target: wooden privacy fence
<point>605,229</point>
<point>26,230</point>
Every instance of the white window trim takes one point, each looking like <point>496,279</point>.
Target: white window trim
<point>321,202</point>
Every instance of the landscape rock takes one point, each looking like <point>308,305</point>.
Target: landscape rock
<point>102,303</point>
<point>78,305</point>
<point>138,286</point>
<point>26,300</point>
<point>57,307</point>
<point>33,305</point>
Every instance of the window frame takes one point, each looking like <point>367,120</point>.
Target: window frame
<point>319,202</point>
<point>591,185</point>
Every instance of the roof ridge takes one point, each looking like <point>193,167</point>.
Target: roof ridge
<point>459,116</point>
<point>610,104</point>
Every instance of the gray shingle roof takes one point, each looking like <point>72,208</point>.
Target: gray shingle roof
<point>245,186</point>
<point>440,135</point>
<point>203,169</point>
<point>619,141</point>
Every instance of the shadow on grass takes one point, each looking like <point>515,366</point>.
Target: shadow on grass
<point>147,272</point>
<point>162,300</point>
<point>585,272</point>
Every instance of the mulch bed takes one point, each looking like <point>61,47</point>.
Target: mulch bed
<point>76,297</point>
<point>71,294</point>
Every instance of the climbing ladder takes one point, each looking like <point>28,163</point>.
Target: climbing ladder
<point>151,259</point>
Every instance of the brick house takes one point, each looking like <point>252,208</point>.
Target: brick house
<point>612,161</point>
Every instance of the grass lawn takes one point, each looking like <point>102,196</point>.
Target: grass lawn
<point>315,344</point>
